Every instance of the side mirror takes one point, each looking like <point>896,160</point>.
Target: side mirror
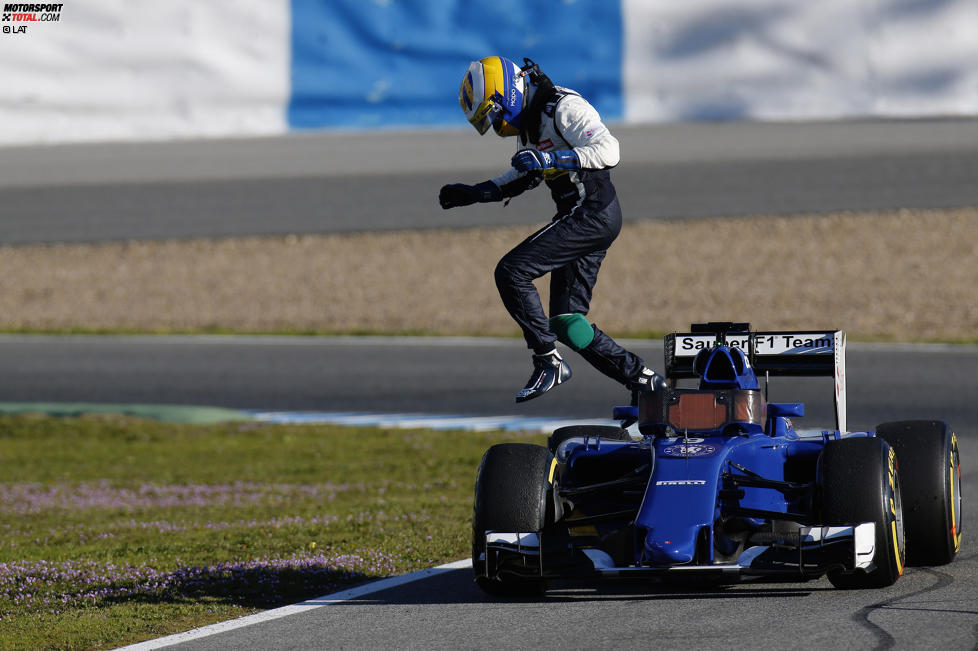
<point>775,409</point>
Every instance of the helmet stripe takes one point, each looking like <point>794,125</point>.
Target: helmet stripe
<point>465,97</point>
<point>495,76</point>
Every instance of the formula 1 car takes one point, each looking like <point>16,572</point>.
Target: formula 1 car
<point>721,486</point>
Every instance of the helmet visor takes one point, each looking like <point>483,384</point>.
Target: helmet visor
<point>486,115</point>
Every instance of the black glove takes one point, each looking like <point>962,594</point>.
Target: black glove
<point>459,194</point>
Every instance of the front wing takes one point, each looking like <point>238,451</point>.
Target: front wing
<point>806,552</point>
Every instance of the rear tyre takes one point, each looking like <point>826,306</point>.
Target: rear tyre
<point>930,472</point>
<point>858,481</point>
<point>611,432</point>
<point>512,494</point>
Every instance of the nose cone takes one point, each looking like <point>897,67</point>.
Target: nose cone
<point>669,547</point>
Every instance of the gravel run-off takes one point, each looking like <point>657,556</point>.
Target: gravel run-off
<point>900,275</point>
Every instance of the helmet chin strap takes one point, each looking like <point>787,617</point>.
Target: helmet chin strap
<point>530,72</point>
<point>528,93</point>
<point>539,91</point>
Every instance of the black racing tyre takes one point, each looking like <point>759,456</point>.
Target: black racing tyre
<point>561,434</point>
<point>512,494</point>
<point>859,481</point>
<point>930,473</point>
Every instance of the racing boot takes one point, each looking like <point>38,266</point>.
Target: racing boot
<point>549,370</point>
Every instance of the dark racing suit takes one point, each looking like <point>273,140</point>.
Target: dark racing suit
<point>575,242</point>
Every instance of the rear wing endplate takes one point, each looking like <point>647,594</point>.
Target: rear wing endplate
<point>785,353</point>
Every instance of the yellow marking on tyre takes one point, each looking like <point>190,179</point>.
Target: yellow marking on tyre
<point>891,468</point>
<point>891,476</point>
<point>955,534</point>
<point>553,469</point>
<point>896,549</point>
<point>896,541</point>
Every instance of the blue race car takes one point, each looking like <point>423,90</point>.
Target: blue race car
<point>721,485</point>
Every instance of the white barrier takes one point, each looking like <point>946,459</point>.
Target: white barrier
<point>147,70</point>
<point>789,60</point>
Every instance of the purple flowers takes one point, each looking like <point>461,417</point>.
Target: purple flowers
<point>25,498</point>
<point>55,586</point>
<point>251,515</point>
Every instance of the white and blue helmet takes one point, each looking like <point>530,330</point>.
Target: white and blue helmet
<point>492,95</point>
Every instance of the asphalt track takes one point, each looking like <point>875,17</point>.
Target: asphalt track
<point>434,375</point>
<point>327,183</point>
<point>346,182</point>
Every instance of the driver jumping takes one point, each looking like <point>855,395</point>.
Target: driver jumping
<point>563,142</point>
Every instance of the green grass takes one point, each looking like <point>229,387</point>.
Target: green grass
<point>117,530</point>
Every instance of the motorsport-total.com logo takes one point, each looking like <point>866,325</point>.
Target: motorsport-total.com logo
<point>23,14</point>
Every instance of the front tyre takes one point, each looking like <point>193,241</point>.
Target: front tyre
<point>930,471</point>
<point>859,481</point>
<point>512,494</point>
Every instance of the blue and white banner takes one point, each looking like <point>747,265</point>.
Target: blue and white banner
<point>86,70</point>
<point>400,64</point>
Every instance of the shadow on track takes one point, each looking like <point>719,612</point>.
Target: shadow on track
<point>457,587</point>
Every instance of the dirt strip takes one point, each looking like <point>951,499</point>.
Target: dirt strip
<point>905,275</point>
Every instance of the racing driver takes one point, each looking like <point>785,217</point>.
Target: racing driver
<point>563,142</point>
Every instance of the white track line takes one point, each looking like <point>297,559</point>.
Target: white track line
<point>305,606</point>
<point>545,425</point>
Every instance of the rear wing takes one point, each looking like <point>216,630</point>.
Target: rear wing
<point>789,352</point>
